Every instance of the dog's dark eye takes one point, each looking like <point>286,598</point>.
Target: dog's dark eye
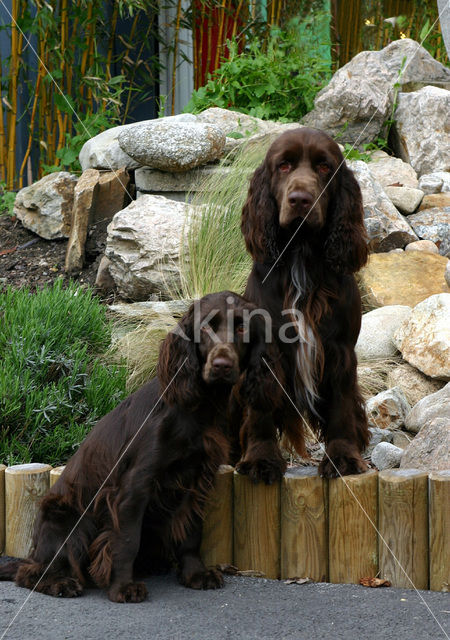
<point>284,166</point>
<point>323,168</point>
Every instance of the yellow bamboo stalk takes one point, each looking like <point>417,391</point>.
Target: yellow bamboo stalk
<point>32,119</point>
<point>111,40</point>
<point>200,51</point>
<point>12,120</point>
<point>208,44</point>
<point>2,136</point>
<point>222,18</point>
<point>236,18</point>
<point>62,120</point>
<point>175,53</point>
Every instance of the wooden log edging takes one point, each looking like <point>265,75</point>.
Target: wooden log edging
<point>337,530</point>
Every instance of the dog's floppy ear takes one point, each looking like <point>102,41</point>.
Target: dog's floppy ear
<point>259,223</point>
<point>263,380</point>
<point>346,248</point>
<point>178,365</point>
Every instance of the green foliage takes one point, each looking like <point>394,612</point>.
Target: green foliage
<point>53,384</point>
<point>277,82</point>
<point>7,200</point>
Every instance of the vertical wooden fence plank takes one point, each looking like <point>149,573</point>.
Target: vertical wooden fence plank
<point>217,539</point>
<point>403,525</point>
<point>304,529</point>
<point>25,485</point>
<point>352,533</point>
<point>256,526</point>
<point>439,525</point>
<point>2,508</point>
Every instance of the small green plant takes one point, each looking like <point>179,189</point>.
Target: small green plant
<point>277,82</point>
<point>7,200</point>
<point>54,384</point>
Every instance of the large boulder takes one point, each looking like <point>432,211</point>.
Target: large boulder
<point>388,409</point>
<point>389,171</point>
<point>421,131</point>
<point>404,278</point>
<point>143,246</point>
<point>171,145</point>
<point>386,227</point>
<point>437,182</point>
<point>430,449</point>
<point>103,150</point>
<point>424,338</point>
<point>386,456</point>
<point>414,384</point>
<point>84,202</point>
<point>358,100</point>
<point>436,405</point>
<point>405,199</point>
<point>377,328</point>
<point>433,224</point>
<point>45,207</point>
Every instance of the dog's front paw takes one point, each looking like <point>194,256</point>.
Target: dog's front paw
<point>207,579</point>
<point>129,592</point>
<point>268,471</point>
<point>342,458</point>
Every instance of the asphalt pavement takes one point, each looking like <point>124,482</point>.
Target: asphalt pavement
<point>246,608</point>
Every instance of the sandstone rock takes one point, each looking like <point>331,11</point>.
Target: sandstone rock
<point>422,245</point>
<point>112,195</point>
<point>386,456</point>
<point>439,200</point>
<point>45,207</point>
<point>388,409</point>
<point>173,146</point>
<point>436,182</point>
<point>424,338</point>
<point>386,227</point>
<point>401,439</point>
<point>377,329</point>
<point>435,405</point>
<point>358,99</point>
<point>104,280</point>
<point>433,224</point>
<point>143,247</point>
<point>404,278</point>
<point>421,133</point>
<point>414,384</point>
<point>84,202</point>
<point>388,171</point>
<point>405,199</point>
<point>430,449</point>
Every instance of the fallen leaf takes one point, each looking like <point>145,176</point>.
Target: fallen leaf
<point>396,184</point>
<point>374,582</point>
<point>251,573</point>
<point>228,569</point>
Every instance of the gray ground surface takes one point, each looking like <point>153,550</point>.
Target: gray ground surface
<point>247,608</point>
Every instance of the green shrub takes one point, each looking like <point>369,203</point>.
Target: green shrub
<point>53,384</point>
<point>278,82</point>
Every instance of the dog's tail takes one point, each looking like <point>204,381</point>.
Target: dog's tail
<point>9,567</point>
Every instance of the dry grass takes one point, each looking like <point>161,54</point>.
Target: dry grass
<point>372,375</point>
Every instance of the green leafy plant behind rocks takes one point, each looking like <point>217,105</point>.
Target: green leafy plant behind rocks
<point>54,384</point>
<point>276,82</point>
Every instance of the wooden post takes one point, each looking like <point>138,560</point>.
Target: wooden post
<point>55,474</point>
<point>352,527</point>
<point>25,485</point>
<point>439,522</point>
<point>256,526</point>
<point>2,508</point>
<point>403,525</point>
<point>304,527</point>
<point>217,539</point>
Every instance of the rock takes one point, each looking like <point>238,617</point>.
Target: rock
<point>433,224</point>
<point>149,310</point>
<point>414,384</point>
<point>401,439</point>
<point>424,338</point>
<point>169,184</point>
<point>420,131</point>
<point>103,150</point>
<point>439,200</point>
<point>143,247</point>
<point>386,456</point>
<point>405,199</point>
<point>112,195</point>
<point>422,245</point>
<point>404,278</point>
<point>358,99</point>
<point>45,207</point>
<point>435,405</point>
<point>104,280</point>
<point>386,227</point>
<point>447,274</point>
<point>173,145</point>
<point>389,171</point>
<point>430,449</point>
<point>84,202</point>
<point>377,436</point>
<point>377,329</point>
<point>436,182</point>
<point>388,409</point>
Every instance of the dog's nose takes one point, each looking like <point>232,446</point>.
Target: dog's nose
<point>222,365</point>
<point>300,200</point>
